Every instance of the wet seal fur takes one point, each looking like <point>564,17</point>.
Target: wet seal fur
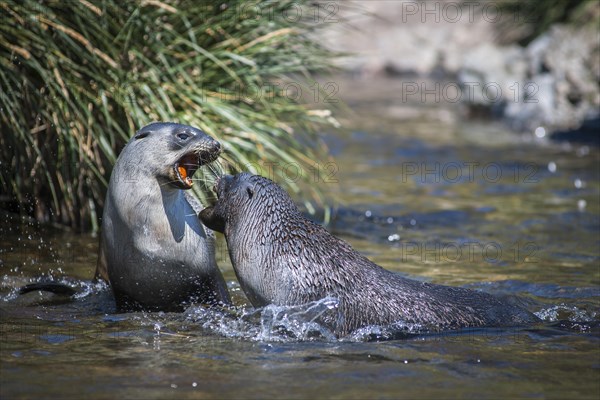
<point>280,257</point>
<point>154,252</point>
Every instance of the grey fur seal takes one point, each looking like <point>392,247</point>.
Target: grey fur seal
<point>282,258</point>
<point>154,251</point>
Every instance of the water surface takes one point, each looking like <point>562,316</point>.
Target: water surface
<point>421,192</point>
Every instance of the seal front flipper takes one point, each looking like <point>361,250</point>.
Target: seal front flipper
<point>52,287</point>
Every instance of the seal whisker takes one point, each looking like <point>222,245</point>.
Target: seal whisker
<point>216,168</point>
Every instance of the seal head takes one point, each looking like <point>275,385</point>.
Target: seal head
<point>185,149</point>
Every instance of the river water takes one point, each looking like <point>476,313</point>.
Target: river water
<point>421,191</point>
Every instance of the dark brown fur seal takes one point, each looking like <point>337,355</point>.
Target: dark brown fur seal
<point>154,252</point>
<point>282,258</point>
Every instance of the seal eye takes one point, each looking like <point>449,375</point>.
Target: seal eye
<point>141,134</point>
<point>250,192</point>
<point>183,136</point>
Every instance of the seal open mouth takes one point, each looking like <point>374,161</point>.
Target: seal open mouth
<point>185,168</point>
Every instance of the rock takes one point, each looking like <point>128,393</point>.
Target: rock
<point>553,82</point>
<point>532,107</point>
<point>404,36</point>
<point>561,68</point>
<point>500,73</point>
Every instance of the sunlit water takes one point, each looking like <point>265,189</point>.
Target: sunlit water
<point>432,198</point>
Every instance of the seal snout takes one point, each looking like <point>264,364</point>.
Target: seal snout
<point>208,151</point>
<point>221,185</point>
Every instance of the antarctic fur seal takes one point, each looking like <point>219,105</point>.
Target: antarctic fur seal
<point>280,257</point>
<point>154,252</point>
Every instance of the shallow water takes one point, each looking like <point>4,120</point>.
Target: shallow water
<point>421,193</point>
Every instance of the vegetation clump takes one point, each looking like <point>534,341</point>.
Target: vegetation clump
<point>79,77</point>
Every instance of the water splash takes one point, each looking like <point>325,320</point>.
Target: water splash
<point>83,288</point>
<point>292,324</point>
<point>270,323</point>
<point>566,312</point>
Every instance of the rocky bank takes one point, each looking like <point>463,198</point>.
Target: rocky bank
<point>450,52</point>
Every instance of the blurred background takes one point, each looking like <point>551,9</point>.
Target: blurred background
<point>455,142</point>
<point>531,65</point>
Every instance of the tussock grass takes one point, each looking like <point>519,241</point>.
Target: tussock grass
<point>79,77</point>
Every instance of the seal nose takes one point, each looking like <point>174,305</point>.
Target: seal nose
<point>211,146</point>
<point>216,146</point>
<point>209,151</point>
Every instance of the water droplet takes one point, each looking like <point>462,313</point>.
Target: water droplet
<point>579,183</point>
<point>390,220</point>
<point>194,384</point>
<point>540,131</point>
<point>405,361</point>
<point>552,166</point>
<point>368,213</point>
<point>394,238</point>
<point>583,151</point>
<point>581,204</point>
<point>413,222</point>
<point>174,386</point>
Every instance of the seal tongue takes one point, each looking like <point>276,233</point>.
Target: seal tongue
<point>186,167</point>
<point>184,175</point>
